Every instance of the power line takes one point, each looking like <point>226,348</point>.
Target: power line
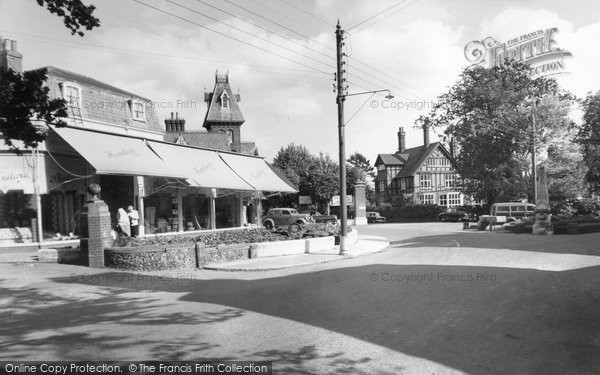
<point>230,37</point>
<point>378,14</point>
<point>140,53</point>
<point>246,32</point>
<point>310,14</point>
<point>389,15</point>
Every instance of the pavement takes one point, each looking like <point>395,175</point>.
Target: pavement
<point>365,245</point>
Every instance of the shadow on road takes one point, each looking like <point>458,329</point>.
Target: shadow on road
<point>474,319</point>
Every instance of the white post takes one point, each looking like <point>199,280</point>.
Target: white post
<point>213,211</point>
<point>179,209</point>
<point>38,201</point>
<point>141,191</point>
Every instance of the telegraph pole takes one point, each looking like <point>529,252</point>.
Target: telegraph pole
<point>340,98</point>
<point>534,172</point>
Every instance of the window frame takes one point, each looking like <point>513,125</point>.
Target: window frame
<point>64,86</point>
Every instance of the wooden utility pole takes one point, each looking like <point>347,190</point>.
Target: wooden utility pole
<point>341,97</point>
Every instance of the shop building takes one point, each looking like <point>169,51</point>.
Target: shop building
<point>114,138</point>
<point>425,174</point>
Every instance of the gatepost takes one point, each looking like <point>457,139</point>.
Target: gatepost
<point>95,229</point>
<point>360,204</point>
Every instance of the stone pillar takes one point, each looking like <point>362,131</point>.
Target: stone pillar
<point>95,229</point>
<point>360,204</point>
<point>542,224</point>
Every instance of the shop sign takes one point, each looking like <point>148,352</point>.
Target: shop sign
<point>538,49</point>
<point>335,200</point>
<point>305,199</point>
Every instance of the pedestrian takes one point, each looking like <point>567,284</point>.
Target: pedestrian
<point>134,221</point>
<point>123,222</point>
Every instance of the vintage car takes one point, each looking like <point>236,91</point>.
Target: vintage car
<point>280,217</point>
<point>375,217</point>
<point>317,217</point>
<point>457,214</point>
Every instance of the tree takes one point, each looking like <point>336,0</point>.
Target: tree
<point>565,172</point>
<point>322,182</point>
<point>359,169</point>
<point>589,139</point>
<point>294,161</point>
<point>75,14</point>
<point>24,96</point>
<point>488,113</point>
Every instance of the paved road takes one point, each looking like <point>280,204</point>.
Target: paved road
<point>439,300</point>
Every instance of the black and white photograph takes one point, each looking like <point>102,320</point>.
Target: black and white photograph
<point>299,187</point>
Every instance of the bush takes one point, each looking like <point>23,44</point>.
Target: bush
<point>413,212</point>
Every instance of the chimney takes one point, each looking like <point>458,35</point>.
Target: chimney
<point>426,135</point>
<point>401,140</point>
<point>10,58</point>
<point>175,124</point>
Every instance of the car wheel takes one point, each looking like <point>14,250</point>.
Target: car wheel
<point>268,225</point>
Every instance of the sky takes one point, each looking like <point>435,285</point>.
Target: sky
<point>280,56</point>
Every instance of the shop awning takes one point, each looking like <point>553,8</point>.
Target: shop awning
<point>203,168</point>
<point>257,173</point>
<point>16,172</point>
<point>117,154</point>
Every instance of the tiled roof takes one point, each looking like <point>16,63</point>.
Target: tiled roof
<point>216,113</point>
<point>215,141</point>
<point>79,78</point>
<point>249,148</point>
<point>411,158</point>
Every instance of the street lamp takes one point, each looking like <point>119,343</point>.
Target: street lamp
<point>341,97</point>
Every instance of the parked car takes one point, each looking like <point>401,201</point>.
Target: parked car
<point>375,217</point>
<point>278,217</point>
<point>456,214</point>
<point>317,217</point>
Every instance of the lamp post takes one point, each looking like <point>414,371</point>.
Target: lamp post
<point>340,98</point>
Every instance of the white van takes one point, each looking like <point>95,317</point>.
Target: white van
<point>513,210</point>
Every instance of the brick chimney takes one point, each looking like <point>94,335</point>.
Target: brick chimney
<point>175,124</point>
<point>401,140</point>
<point>425,135</point>
<point>10,58</point>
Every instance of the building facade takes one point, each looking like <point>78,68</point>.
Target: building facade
<point>114,138</point>
<point>424,174</point>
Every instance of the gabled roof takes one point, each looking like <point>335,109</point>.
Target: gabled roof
<point>79,78</point>
<point>217,114</point>
<point>411,158</point>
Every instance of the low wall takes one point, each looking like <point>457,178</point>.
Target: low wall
<point>221,253</point>
<point>191,255</point>
<point>152,257</point>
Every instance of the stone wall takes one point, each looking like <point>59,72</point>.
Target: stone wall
<point>152,257</point>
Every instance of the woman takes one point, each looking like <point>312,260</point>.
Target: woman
<point>123,222</point>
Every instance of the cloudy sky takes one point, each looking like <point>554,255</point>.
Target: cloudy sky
<point>280,55</point>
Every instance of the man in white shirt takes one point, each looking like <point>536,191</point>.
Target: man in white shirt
<point>134,220</point>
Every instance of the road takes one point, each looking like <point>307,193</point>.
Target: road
<point>439,300</point>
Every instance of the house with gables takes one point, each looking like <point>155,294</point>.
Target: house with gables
<point>223,122</point>
<point>425,174</point>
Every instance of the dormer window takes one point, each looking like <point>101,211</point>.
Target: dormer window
<point>71,93</point>
<point>224,100</point>
<point>138,110</point>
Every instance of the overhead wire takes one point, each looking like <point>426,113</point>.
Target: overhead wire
<point>231,37</point>
<point>378,14</point>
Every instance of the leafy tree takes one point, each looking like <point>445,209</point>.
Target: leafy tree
<point>23,97</point>
<point>75,14</point>
<point>294,161</point>
<point>488,113</point>
<point>589,138</point>
<point>359,169</point>
<point>322,182</point>
<point>565,172</point>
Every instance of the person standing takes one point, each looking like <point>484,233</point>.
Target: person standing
<point>123,221</point>
<point>134,221</point>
